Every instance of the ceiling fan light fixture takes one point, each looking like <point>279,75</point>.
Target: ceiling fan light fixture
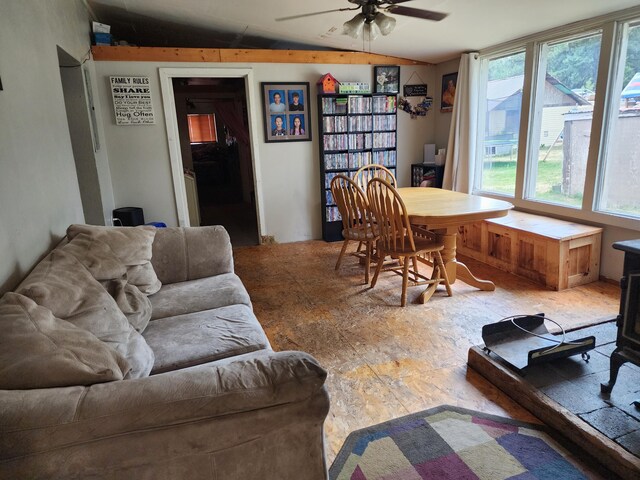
<point>354,27</point>
<point>371,31</point>
<point>385,23</point>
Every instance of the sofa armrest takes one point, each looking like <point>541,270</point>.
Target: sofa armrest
<point>188,253</point>
<point>94,424</point>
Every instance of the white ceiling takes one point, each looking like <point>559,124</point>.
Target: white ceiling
<point>471,24</point>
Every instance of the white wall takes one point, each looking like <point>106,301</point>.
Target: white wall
<point>611,261</point>
<point>39,195</point>
<point>290,172</point>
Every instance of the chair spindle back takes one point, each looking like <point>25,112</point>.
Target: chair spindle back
<point>364,175</point>
<point>390,215</point>
<point>351,202</point>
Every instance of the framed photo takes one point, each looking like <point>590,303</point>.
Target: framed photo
<point>386,79</point>
<point>449,83</point>
<point>287,111</point>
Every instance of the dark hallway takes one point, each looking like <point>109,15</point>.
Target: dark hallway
<point>216,155</point>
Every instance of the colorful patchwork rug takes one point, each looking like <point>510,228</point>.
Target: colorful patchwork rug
<point>454,443</point>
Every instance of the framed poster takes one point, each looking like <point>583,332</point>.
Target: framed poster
<point>386,79</point>
<point>449,83</point>
<point>287,111</point>
<point>132,100</point>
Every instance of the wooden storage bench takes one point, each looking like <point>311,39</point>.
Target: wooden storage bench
<point>552,252</point>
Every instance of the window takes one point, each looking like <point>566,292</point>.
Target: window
<point>504,78</point>
<point>561,130</point>
<point>202,128</point>
<point>619,193</point>
<point>567,101</point>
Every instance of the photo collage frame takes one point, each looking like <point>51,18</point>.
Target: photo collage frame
<point>287,111</point>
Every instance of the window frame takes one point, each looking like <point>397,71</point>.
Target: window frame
<point>609,67</point>
<point>535,124</point>
<point>619,46</point>
<point>482,117</point>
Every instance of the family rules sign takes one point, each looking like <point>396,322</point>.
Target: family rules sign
<point>132,100</point>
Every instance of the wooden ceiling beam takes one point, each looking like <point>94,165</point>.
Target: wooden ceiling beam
<point>235,55</point>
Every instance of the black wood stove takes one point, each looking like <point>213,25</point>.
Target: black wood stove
<point>628,321</point>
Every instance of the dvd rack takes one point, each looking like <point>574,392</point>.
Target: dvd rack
<point>356,130</point>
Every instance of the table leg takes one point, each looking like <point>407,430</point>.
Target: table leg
<point>456,269</point>
<point>448,238</point>
<point>469,278</point>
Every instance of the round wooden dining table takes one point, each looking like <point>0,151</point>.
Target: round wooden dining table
<point>443,212</point>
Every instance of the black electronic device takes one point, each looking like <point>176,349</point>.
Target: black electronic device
<point>128,217</point>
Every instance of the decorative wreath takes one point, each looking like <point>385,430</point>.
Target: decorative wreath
<point>420,110</point>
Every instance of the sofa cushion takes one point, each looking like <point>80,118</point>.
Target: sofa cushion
<point>64,286</point>
<point>132,246</point>
<point>135,305</point>
<point>189,253</point>
<point>198,295</point>
<point>201,337</point>
<point>38,350</point>
<point>96,256</point>
<point>104,266</point>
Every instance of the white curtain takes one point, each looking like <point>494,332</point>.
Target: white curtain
<point>461,149</point>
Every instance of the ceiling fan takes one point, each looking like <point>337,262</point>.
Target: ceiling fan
<point>371,17</point>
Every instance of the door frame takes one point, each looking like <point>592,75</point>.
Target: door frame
<point>173,138</point>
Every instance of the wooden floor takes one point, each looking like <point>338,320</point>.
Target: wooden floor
<point>385,361</point>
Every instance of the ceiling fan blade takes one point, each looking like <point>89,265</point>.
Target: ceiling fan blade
<point>392,2</point>
<point>417,13</point>
<point>293,17</point>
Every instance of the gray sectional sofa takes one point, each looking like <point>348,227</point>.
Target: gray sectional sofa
<point>135,353</point>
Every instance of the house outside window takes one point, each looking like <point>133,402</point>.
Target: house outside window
<point>503,79</point>
<point>557,164</point>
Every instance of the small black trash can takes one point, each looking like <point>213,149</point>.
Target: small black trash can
<point>128,217</point>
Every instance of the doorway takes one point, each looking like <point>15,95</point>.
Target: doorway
<point>76,91</point>
<point>216,154</point>
<point>238,209</point>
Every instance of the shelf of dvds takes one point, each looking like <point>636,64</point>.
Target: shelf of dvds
<point>355,130</point>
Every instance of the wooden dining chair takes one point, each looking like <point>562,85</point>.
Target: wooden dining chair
<point>356,219</point>
<point>373,170</point>
<point>366,173</point>
<point>397,239</point>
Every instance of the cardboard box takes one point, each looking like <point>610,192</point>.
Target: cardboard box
<point>102,38</point>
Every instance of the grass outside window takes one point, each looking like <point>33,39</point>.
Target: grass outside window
<point>499,174</point>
